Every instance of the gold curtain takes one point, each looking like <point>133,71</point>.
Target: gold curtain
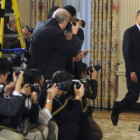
<point>104,48</point>
<point>40,9</point>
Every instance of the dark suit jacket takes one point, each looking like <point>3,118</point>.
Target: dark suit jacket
<point>71,66</point>
<point>9,108</point>
<point>71,113</point>
<point>131,50</point>
<point>49,48</point>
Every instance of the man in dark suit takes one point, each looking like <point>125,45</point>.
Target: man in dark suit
<point>131,53</point>
<point>49,47</point>
<point>72,62</point>
<point>13,42</point>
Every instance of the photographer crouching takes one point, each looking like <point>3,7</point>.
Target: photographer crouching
<point>9,107</point>
<point>66,114</point>
<point>88,77</point>
<point>19,109</point>
<point>36,119</point>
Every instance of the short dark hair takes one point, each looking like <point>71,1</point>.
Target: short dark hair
<point>70,9</point>
<point>35,76</point>
<point>138,13</point>
<point>52,10</point>
<point>81,67</point>
<point>5,66</point>
<point>61,76</point>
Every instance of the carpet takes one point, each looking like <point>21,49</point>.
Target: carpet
<point>127,128</point>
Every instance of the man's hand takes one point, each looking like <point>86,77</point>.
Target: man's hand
<point>93,74</point>
<point>52,92</point>
<point>26,90</point>
<point>76,27</point>
<point>134,77</point>
<point>79,93</point>
<point>79,56</point>
<point>9,88</point>
<point>34,97</point>
<point>68,35</point>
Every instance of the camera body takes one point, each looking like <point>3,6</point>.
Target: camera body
<point>31,30</point>
<point>82,24</point>
<point>35,87</point>
<point>96,67</point>
<point>28,74</point>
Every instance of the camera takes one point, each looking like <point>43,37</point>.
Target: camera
<point>26,74</point>
<point>29,29</point>
<point>35,87</point>
<point>66,85</point>
<point>82,24</point>
<point>96,67</point>
<point>29,78</point>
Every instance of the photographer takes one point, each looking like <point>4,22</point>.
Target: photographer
<point>12,105</point>
<point>13,42</point>
<point>32,115</point>
<point>9,107</point>
<point>49,129</point>
<point>68,36</point>
<point>71,63</point>
<point>66,115</point>
<point>49,47</point>
<point>90,93</point>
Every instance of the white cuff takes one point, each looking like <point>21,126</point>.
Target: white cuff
<point>48,113</point>
<point>16,93</point>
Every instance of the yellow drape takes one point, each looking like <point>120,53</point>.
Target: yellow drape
<point>40,9</point>
<point>104,47</point>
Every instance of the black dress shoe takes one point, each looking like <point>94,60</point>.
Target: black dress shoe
<point>139,128</point>
<point>114,119</point>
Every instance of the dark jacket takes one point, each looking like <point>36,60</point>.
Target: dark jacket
<point>71,66</point>
<point>131,50</point>
<point>49,48</point>
<point>11,42</point>
<point>9,108</point>
<point>90,93</point>
<point>71,113</point>
<point>29,111</point>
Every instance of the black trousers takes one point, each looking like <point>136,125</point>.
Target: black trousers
<point>130,98</point>
<point>68,131</point>
<point>85,129</point>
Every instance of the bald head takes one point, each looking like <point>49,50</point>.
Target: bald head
<point>60,15</point>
